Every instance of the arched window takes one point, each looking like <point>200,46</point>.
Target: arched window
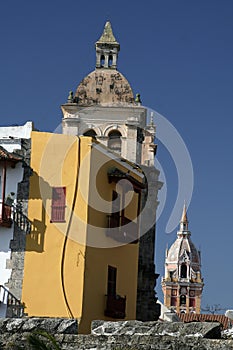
<point>183,271</point>
<point>114,141</point>
<point>110,61</point>
<point>102,60</point>
<point>90,132</point>
<point>182,300</point>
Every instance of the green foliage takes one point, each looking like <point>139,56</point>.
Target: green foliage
<point>42,340</point>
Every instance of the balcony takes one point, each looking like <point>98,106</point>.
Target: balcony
<point>13,213</point>
<point>5,215</point>
<point>20,219</point>
<point>15,309</point>
<point>115,306</point>
<point>121,229</point>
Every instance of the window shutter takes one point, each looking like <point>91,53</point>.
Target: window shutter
<point>112,274</point>
<point>58,204</point>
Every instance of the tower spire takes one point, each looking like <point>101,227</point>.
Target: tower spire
<point>184,217</point>
<point>107,49</point>
<point>184,220</point>
<point>107,35</point>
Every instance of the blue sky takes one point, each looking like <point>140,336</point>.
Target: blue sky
<point>178,55</point>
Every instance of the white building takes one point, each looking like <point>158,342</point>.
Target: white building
<point>12,168</point>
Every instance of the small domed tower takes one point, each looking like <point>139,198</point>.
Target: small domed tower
<point>104,107</point>
<point>182,285</point>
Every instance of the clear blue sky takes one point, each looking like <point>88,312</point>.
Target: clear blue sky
<point>178,55</point>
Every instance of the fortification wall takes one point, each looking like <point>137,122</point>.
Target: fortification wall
<point>116,335</point>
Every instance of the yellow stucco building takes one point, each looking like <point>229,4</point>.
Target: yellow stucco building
<point>81,257</point>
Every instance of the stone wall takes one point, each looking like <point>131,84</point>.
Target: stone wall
<point>17,244</point>
<point>147,307</point>
<point>116,335</point>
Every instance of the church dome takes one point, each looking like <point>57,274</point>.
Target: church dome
<point>104,87</point>
<point>183,248</point>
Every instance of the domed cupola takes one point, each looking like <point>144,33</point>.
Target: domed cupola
<point>182,285</point>
<point>105,85</point>
<point>104,107</point>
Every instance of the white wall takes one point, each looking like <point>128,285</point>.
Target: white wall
<point>13,177</point>
<point>11,147</point>
<point>22,131</point>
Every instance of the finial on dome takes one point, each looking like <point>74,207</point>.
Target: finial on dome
<point>138,98</point>
<point>107,49</point>
<point>107,35</point>
<point>152,118</point>
<point>184,220</point>
<point>184,217</point>
<point>70,97</point>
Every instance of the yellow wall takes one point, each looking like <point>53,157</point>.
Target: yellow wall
<point>54,160</point>
<point>88,251</point>
<point>122,256</point>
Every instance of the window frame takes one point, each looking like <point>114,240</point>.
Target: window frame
<point>58,210</point>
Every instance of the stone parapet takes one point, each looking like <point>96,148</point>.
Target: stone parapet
<point>29,324</point>
<point>209,330</point>
<point>125,335</point>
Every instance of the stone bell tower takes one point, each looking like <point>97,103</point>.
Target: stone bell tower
<point>104,107</point>
<point>107,49</point>
<point>183,283</point>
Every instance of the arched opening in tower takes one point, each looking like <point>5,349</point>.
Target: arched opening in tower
<point>110,61</point>
<point>114,141</point>
<point>91,133</point>
<point>182,300</point>
<point>183,272</point>
<point>102,60</point>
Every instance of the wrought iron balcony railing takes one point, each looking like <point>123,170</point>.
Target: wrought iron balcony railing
<point>15,309</point>
<point>13,213</point>
<point>20,219</point>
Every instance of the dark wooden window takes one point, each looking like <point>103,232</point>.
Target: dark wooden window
<point>58,204</point>
<point>116,205</point>
<point>112,275</point>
